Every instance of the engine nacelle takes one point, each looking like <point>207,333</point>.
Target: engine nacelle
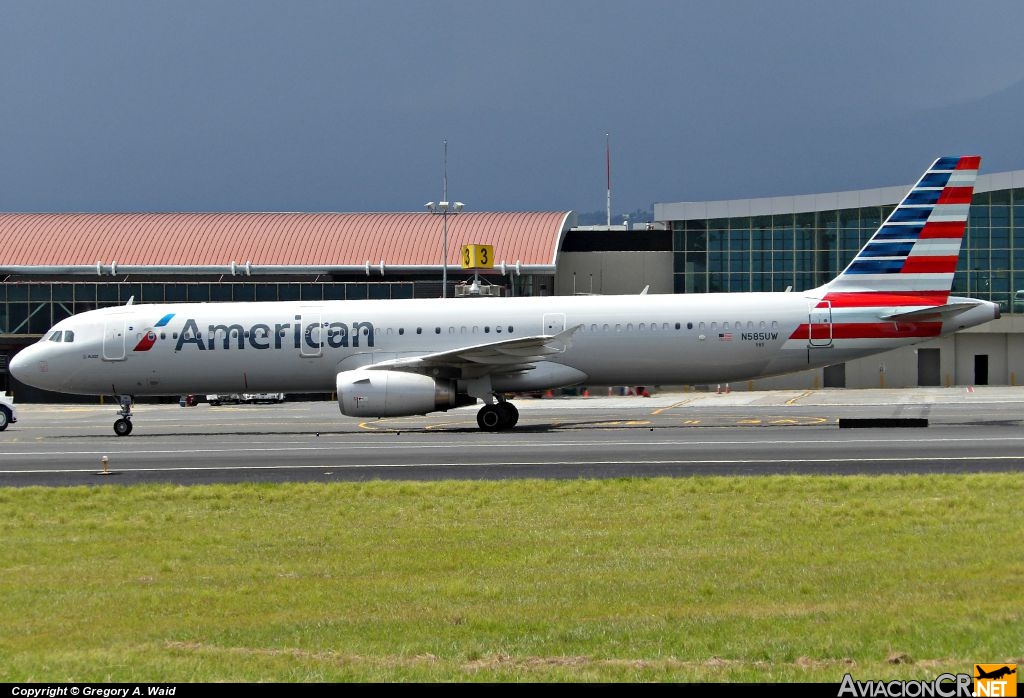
<point>366,393</point>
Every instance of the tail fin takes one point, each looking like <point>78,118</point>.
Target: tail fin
<point>914,252</point>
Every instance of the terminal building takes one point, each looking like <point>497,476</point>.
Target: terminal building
<point>55,265</point>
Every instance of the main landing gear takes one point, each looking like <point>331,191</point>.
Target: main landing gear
<point>123,426</point>
<point>497,416</point>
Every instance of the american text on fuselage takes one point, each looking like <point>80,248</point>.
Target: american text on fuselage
<point>262,336</point>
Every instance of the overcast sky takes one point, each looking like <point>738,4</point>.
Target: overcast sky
<point>293,105</point>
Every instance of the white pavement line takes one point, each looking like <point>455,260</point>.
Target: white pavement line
<point>475,446</point>
<point>575,464</point>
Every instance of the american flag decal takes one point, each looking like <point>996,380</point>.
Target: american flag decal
<point>725,336</point>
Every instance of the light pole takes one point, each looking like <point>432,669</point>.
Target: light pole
<point>444,208</point>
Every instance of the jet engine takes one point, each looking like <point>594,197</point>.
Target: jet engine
<point>368,393</point>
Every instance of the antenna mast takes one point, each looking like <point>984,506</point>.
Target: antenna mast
<point>608,170</point>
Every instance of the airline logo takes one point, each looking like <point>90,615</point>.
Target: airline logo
<point>261,335</point>
<point>916,248</point>
<point>909,263</point>
<point>149,338</point>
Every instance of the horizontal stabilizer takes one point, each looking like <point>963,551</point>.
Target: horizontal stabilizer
<point>935,313</point>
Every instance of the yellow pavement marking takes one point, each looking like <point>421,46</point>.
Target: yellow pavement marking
<point>792,401</point>
<point>673,406</point>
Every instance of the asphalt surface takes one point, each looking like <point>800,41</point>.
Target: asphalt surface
<point>668,434</point>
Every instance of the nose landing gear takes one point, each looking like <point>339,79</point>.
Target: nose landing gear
<point>123,426</point>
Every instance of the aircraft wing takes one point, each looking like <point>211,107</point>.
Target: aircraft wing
<point>503,356</point>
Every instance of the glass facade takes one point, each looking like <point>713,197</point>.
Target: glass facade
<point>804,250</point>
<point>31,308</point>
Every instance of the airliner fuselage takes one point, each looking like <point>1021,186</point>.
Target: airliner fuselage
<point>301,347</point>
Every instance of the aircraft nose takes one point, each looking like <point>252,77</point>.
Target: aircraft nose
<point>18,366</point>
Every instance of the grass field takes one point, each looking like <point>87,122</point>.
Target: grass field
<point>764,579</point>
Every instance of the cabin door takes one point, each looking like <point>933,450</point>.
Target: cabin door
<point>820,324</point>
<point>114,337</point>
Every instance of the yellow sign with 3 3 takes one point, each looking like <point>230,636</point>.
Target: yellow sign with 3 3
<point>477,256</point>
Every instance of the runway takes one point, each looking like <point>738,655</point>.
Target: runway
<point>669,434</point>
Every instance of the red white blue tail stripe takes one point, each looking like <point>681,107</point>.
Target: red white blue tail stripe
<point>915,250</point>
<point>907,266</point>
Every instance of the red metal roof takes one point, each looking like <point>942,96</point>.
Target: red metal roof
<point>273,239</point>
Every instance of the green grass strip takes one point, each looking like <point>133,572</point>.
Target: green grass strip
<point>678,579</point>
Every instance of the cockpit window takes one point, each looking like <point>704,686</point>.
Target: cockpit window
<point>56,336</point>
<point>69,336</point>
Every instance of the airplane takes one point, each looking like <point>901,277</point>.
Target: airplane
<point>391,358</point>
<point>995,673</point>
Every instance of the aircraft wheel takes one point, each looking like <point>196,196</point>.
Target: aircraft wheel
<point>490,418</point>
<point>123,427</point>
<point>509,413</point>
<point>5,418</point>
